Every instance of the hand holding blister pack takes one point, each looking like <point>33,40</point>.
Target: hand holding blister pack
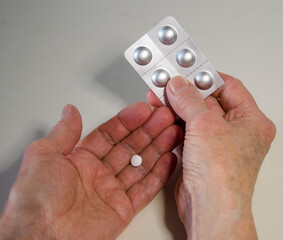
<point>167,51</point>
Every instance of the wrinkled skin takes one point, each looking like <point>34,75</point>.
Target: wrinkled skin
<point>226,140</point>
<point>71,189</point>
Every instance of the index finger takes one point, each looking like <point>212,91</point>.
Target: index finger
<point>233,94</point>
<point>152,99</point>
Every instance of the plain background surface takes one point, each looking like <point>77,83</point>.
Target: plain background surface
<point>69,51</point>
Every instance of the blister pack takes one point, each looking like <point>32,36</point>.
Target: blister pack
<point>167,51</point>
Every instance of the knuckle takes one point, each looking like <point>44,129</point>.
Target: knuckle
<point>183,103</point>
<point>265,130</point>
<point>231,79</point>
<point>237,80</point>
<point>269,130</point>
<point>188,104</point>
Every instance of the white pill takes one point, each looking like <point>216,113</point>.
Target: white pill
<point>136,160</point>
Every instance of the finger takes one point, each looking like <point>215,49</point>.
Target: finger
<point>144,191</point>
<point>152,99</point>
<point>164,143</point>
<point>184,98</point>
<point>233,94</point>
<point>101,140</point>
<point>66,133</point>
<point>119,157</point>
<point>213,104</point>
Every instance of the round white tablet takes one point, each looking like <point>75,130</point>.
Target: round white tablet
<point>136,160</point>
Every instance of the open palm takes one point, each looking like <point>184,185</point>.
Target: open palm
<point>71,189</point>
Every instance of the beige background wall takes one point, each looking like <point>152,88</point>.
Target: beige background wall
<point>69,51</point>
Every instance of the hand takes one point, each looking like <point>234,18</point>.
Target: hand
<point>226,140</point>
<point>88,190</point>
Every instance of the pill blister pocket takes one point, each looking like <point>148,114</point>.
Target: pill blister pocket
<point>167,51</point>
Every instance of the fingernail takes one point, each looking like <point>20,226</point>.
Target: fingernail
<point>65,111</point>
<point>178,84</point>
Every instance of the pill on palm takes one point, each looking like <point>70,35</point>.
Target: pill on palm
<point>136,160</point>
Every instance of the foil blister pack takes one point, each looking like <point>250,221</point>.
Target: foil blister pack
<point>167,51</point>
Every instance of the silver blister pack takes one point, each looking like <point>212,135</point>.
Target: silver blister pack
<point>167,51</point>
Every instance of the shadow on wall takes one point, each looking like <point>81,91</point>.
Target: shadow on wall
<point>8,177</point>
<point>123,80</point>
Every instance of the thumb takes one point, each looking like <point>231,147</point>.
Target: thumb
<point>184,98</point>
<point>67,132</point>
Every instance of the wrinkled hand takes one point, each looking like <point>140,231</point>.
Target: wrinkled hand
<point>88,190</point>
<point>226,140</point>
